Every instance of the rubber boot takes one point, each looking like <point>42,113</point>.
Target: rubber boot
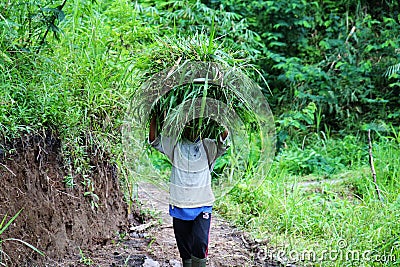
<point>187,263</point>
<point>196,262</point>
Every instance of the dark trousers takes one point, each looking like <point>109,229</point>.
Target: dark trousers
<point>192,236</point>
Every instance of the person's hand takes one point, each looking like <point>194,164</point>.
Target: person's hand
<point>224,134</point>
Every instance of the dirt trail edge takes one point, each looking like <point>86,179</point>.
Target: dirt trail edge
<point>228,245</point>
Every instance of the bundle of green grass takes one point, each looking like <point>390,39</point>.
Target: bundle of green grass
<point>211,97</point>
<point>169,110</point>
<point>203,91</point>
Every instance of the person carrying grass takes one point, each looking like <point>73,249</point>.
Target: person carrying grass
<point>191,196</point>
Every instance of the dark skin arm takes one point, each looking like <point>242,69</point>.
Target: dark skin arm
<point>153,127</point>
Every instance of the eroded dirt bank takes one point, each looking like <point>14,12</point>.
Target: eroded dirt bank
<point>55,219</point>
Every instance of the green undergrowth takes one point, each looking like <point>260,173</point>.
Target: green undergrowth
<point>331,217</point>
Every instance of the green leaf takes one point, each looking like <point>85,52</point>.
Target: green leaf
<point>279,44</point>
<point>324,44</point>
<point>369,48</point>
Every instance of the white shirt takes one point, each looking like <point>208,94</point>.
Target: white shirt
<point>192,163</point>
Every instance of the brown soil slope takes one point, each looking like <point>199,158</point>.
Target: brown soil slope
<point>54,219</point>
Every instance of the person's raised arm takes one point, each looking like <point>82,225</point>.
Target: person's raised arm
<point>153,128</point>
<point>215,148</point>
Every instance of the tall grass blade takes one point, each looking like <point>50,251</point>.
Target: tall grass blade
<point>26,244</point>
<point>9,222</point>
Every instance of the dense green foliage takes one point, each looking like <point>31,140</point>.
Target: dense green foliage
<point>332,69</point>
<point>332,53</point>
